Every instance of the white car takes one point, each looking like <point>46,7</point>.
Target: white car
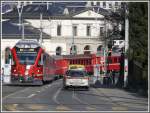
<point>76,78</point>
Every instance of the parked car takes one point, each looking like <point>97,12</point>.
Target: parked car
<point>76,78</point>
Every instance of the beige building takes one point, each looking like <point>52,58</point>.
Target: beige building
<point>63,28</point>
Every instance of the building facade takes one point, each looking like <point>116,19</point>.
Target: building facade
<point>76,30</point>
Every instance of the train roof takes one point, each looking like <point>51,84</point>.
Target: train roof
<point>24,43</point>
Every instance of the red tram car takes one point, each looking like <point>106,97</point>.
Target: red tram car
<point>32,65</point>
<point>90,60</point>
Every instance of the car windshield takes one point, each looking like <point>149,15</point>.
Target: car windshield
<point>27,58</point>
<point>76,73</point>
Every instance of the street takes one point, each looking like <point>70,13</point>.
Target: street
<point>52,97</point>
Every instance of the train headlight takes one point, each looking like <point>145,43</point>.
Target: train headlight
<point>26,72</point>
<point>28,67</point>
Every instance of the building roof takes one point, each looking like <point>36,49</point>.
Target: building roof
<point>10,29</point>
<point>54,9</point>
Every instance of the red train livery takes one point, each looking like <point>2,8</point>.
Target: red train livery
<point>90,60</point>
<point>32,65</point>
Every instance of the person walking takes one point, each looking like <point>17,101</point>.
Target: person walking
<point>113,77</point>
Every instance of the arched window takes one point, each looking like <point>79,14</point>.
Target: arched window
<point>87,49</point>
<point>58,51</point>
<point>99,49</point>
<point>73,50</point>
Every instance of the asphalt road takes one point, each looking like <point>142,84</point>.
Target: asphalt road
<point>52,97</point>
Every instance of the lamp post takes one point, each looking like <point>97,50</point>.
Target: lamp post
<point>105,47</point>
<point>126,46</point>
<point>41,29</point>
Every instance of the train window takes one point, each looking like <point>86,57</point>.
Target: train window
<point>13,62</point>
<point>87,62</point>
<point>109,60</point>
<point>78,61</point>
<point>39,62</point>
<point>81,62</point>
<point>41,59</point>
<point>115,60</point>
<point>84,62</point>
<point>44,58</point>
<point>70,61</point>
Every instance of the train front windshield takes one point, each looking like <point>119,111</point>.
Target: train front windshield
<point>27,58</point>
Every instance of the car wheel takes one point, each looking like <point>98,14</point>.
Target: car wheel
<point>87,88</point>
<point>65,87</point>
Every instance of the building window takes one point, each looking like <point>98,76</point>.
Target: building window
<point>116,4</point>
<point>104,4</point>
<point>58,51</point>
<point>74,30</point>
<point>101,31</point>
<point>110,5</point>
<point>73,50</point>
<point>98,3</point>
<point>87,49</point>
<point>59,30</point>
<point>99,49</point>
<point>88,30</point>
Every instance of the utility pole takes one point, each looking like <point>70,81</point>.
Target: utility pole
<point>21,24</point>
<point>72,45</point>
<point>126,46</point>
<point>105,47</point>
<point>41,29</point>
<point>22,30</point>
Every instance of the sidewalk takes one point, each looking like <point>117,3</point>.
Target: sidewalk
<point>122,97</point>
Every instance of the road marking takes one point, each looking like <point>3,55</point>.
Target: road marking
<point>38,91</point>
<point>90,108</point>
<point>11,107</point>
<point>56,95</point>
<point>119,108</point>
<point>15,93</point>
<point>62,108</point>
<point>31,95</point>
<point>75,97</point>
<point>36,107</point>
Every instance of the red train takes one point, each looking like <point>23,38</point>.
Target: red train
<point>113,62</point>
<point>32,65</point>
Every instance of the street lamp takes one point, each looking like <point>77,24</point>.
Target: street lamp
<point>126,45</point>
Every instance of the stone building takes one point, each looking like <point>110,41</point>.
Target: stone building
<point>64,26</point>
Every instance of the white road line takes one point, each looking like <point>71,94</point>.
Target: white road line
<point>15,93</point>
<point>56,95</point>
<point>31,95</point>
<point>38,91</point>
<point>75,97</point>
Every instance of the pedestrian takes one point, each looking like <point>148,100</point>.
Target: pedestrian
<point>109,78</point>
<point>2,74</point>
<point>113,77</point>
